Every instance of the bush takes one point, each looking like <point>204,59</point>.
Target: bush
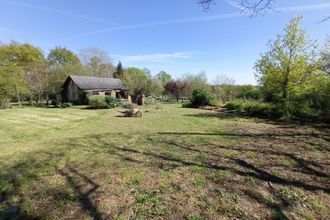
<point>101,102</point>
<point>201,97</point>
<point>257,109</point>
<point>113,102</point>
<point>97,102</point>
<point>238,106</point>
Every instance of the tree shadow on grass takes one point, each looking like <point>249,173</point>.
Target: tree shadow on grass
<point>13,179</point>
<point>71,176</point>
<point>261,135</point>
<point>29,170</point>
<point>277,208</point>
<point>234,115</point>
<point>255,171</point>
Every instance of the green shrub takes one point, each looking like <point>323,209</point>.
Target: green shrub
<point>258,109</point>
<point>103,102</point>
<point>238,106</point>
<point>97,102</point>
<point>201,97</point>
<point>113,102</point>
<point>187,104</point>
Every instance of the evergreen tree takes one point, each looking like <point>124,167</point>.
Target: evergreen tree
<point>119,73</point>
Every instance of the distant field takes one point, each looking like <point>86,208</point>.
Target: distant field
<point>173,163</point>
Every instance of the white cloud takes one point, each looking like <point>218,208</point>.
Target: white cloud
<point>157,57</point>
<point>153,24</point>
<point>198,19</point>
<point>303,8</point>
<point>57,11</point>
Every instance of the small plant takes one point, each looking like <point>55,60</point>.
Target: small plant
<point>199,181</point>
<point>150,203</point>
<point>291,196</point>
<point>194,217</point>
<point>250,179</point>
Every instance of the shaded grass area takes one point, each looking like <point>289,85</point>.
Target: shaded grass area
<point>172,163</point>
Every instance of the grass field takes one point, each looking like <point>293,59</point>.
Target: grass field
<point>173,163</point>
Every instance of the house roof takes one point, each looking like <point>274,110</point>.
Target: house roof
<point>92,83</point>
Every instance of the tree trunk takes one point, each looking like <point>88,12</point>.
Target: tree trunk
<point>18,96</point>
<point>285,84</point>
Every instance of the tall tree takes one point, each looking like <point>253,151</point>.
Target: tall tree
<point>96,62</point>
<point>224,87</point>
<point>137,81</point>
<point>325,55</point>
<point>176,88</point>
<point>119,73</point>
<point>285,70</point>
<point>194,81</point>
<point>163,77</point>
<point>12,83</point>
<point>62,63</point>
<point>26,57</point>
<point>60,56</point>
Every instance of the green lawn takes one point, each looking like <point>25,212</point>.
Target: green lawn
<point>173,163</point>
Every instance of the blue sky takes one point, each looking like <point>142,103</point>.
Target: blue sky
<point>172,35</point>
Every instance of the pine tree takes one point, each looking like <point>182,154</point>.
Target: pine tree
<point>119,73</point>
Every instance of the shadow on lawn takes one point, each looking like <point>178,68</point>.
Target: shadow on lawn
<point>312,173</point>
<point>257,172</point>
<point>234,115</point>
<point>29,170</point>
<point>71,175</point>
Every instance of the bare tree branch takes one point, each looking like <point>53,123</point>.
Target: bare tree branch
<point>255,8</point>
<point>206,4</point>
<point>251,7</point>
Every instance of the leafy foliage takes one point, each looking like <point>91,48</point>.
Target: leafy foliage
<point>103,102</point>
<point>12,82</point>
<point>137,81</point>
<point>176,88</point>
<point>289,73</point>
<point>201,97</point>
<point>113,102</point>
<point>60,56</point>
<point>257,109</point>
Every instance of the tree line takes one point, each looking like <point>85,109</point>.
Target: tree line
<point>26,74</point>
<point>293,75</point>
